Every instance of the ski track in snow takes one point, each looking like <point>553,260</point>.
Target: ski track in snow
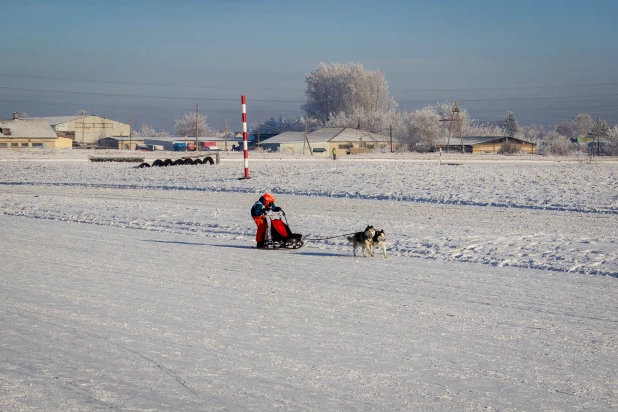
<point>585,196</point>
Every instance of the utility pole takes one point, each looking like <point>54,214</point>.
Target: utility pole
<point>226,135</point>
<point>598,136</point>
<point>456,113</point>
<point>258,142</point>
<point>197,106</point>
<point>390,132</point>
<point>306,138</point>
<point>130,133</point>
<point>454,117</point>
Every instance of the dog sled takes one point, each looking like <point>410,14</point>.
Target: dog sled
<point>279,235</point>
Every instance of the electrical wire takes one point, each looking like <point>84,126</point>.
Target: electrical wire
<point>225,87</point>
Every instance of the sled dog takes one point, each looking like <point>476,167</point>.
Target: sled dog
<point>379,240</point>
<point>363,239</point>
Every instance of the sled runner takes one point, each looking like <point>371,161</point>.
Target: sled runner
<point>279,234</point>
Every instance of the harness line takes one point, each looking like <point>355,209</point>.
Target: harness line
<point>332,237</point>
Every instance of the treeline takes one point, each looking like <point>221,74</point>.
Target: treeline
<point>348,95</point>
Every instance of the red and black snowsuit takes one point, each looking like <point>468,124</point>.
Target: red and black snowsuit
<point>258,211</point>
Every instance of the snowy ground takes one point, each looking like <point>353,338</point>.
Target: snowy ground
<point>138,289</point>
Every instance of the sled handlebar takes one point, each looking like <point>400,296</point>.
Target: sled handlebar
<point>272,212</point>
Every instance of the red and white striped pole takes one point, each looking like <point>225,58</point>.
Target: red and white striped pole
<point>243,100</point>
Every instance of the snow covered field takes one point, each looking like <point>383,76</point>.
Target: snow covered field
<point>138,289</point>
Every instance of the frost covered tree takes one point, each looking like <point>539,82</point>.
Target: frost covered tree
<point>342,88</point>
<point>564,129</point>
<point>372,121</point>
<point>81,112</point>
<point>477,128</point>
<point>599,131</point>
<point>612,141</point>
<point>423,129</point>
<point>555,144</point>
<point>581,124</point>
<point>294,124</point>
<point>185,126</point>
<point>510,125</point>
<point>147,131</point>
<point>532,133</point>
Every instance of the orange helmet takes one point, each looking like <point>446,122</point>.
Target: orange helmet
<point>268,198</point>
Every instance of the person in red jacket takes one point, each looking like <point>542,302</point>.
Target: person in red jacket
<point>265,203</point>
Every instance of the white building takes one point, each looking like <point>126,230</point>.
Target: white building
<point>323,141</point>
<point>87,129</point>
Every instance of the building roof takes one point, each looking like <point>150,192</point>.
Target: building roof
<point>56,120</point>
<point>348,134</point>
<point>27,128</point>
<point>474,140</point>
<point>328,134</point>
<point>183,138</point>
<point>285,137</point>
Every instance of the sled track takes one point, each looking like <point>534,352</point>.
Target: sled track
<point>396,248</point>
<point>356,195</point>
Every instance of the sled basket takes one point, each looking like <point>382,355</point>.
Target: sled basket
<point>280,234</point>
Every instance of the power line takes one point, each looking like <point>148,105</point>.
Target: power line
<point>193,86</point>
<point>517,98</point>
<point>120,107</point>
<point>193,98</point>
<point>225,87</point>
<point>142,95</point>
<point>507,88</point>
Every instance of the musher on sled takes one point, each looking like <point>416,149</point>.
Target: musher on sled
<point>272,231</point>
<point>264,204</point>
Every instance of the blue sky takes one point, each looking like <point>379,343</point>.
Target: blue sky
<point>545,60</point>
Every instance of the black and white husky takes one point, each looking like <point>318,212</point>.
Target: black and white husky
<point>364,239</point>
<point>379,240</point>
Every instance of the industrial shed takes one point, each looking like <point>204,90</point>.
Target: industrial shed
<point>488,144</point>
<point>121,142</point>
<point>322,141</point>
<point>87,129</point>
<point>182,143</point>
<point>30,134</point>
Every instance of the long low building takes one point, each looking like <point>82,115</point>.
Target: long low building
<point>30,134</point>
<point>322,141</point>
<point>182,143</point>
<point>121,142</point>
<point>489,144</point>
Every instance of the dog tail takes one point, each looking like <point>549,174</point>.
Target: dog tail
<point>350,239</point>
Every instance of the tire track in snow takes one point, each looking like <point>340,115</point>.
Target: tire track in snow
<point>355,195</point>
